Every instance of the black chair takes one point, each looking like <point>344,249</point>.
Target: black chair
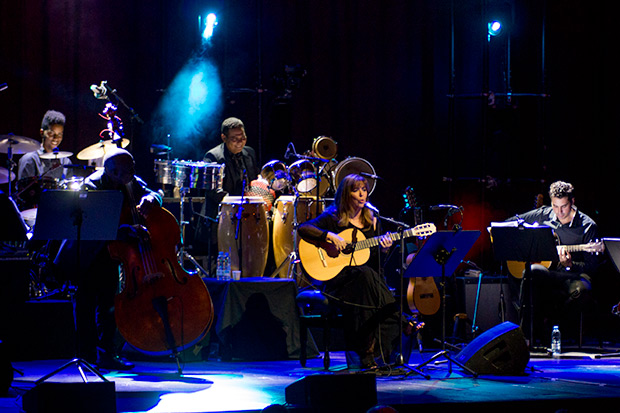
<point>317,312</point>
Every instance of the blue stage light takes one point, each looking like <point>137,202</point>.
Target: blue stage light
<point>209,27</point>
<point>494,28</point>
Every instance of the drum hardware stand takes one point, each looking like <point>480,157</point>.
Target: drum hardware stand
<point>182,253</point>
<point>441,249</point>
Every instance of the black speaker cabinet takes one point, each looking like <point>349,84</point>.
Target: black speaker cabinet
<point>92,397</point>
<point>334,392</point>
<point>502,350</point>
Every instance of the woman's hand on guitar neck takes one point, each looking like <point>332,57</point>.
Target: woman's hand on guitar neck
<point>386,242</point>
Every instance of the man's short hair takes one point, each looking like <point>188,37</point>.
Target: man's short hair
<point>52,117</point>
<point>231,123</point>
<point>561,189</point>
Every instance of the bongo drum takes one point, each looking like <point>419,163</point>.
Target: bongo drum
<point>242,227</point>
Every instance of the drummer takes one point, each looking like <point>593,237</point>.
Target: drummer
<point>241,168</point>
<point>31,164</point>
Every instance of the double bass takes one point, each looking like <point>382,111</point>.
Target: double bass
<point>162,309</point>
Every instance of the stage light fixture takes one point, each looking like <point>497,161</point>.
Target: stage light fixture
<point>209,27</point>
<point>494,28</point>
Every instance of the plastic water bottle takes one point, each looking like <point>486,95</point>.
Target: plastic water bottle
<point>226,266</point>
<point>219,271</point>
<point>556,341</point>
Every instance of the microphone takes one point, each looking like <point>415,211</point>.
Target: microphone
<point>290,151</point>
<point>100,91</point>
<point>372,207</point>
<point>443,206</point>
<point>367,175</point>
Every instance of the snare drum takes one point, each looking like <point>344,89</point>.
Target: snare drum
<point>252,237</point>
<point>358,166</point>
<point>283,225</point>
<point>304,175</point>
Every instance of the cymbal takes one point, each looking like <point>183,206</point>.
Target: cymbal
<point>4,175</point>
<point>99,149</point>
<point>55,155</point>
<point>18,144</point>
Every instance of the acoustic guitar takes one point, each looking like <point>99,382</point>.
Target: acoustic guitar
<point>323,261</point>
<point>422,292</point>
<point>516,268</point>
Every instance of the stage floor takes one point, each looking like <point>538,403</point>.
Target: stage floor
<point>574,381</point>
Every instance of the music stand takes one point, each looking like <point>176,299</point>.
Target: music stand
<point>526,243</point>
<point>612,246</point>
<point>440,255</point>
<point>78,216</point>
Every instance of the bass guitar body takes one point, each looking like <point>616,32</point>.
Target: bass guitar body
<point>162,308</point>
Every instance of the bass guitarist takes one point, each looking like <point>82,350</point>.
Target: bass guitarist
<point>567,281</point>
<point>370,311</point>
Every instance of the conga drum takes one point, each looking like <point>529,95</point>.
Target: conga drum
<point>283,225</point>
<point>243,229</point>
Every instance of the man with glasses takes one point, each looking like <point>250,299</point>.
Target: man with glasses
<point>240,170</point>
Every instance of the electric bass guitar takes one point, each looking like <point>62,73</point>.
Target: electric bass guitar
<point>323,261</point>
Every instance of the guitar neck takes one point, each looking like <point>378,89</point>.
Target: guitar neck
<point>374,241</point>
<point>575,248</point>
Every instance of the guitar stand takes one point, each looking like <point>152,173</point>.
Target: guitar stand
<point>442,250</point>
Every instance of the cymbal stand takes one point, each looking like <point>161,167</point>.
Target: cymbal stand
<point>442,256</point>
<point>182,254</point>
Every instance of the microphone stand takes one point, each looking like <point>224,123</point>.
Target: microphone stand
<point>238,239</point>
<point>400,362</point>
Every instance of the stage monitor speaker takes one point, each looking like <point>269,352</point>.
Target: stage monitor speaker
<point>334,392</point>
<point>502,351</point>
<point>92,397</point>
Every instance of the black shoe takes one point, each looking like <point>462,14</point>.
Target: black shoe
<point>114,363</point>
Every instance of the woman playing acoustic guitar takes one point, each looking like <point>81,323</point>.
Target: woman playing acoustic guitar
<point>370,311</point>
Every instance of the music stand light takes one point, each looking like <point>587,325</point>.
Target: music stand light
<point>78,216</point>
<point>440,255</point>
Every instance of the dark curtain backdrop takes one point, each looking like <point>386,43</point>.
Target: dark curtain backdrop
<point>376,76</point>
